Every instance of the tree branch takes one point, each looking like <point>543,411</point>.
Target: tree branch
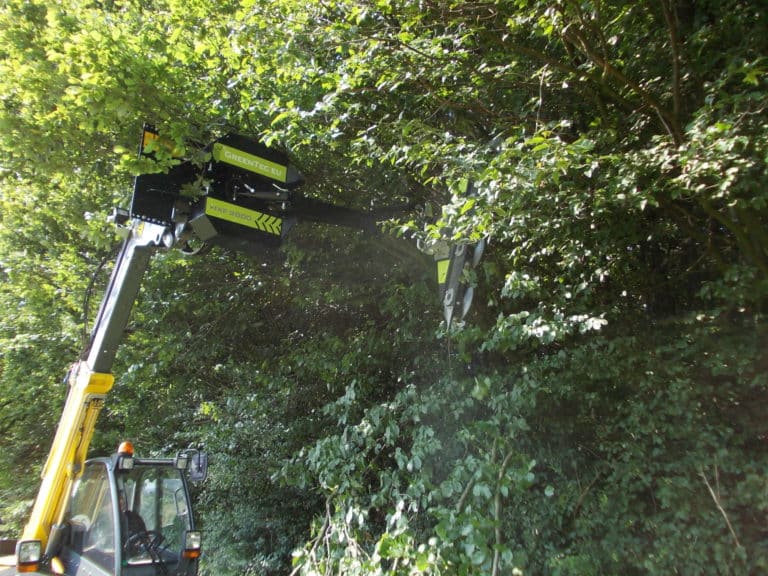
<point>716,498</point>
<point>497,513</point>
<point>674,44</point>
<point>743,241</point>
<point>670,121</point>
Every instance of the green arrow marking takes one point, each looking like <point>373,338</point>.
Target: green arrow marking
<point>244,216</point>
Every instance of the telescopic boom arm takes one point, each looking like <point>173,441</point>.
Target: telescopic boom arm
<point>90,379</point>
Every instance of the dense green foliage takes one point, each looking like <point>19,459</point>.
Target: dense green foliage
<point>600,412</point>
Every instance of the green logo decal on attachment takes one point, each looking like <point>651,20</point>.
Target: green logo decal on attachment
<point>243,216</point>
<point>250,162</point>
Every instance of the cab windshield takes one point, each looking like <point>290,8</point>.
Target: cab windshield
<point>154,512</point>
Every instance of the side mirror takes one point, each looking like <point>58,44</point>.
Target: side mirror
<point>28,555</point>
<point>194,462</point>
<point>192,545</point>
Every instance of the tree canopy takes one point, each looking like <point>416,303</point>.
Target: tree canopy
<point>600,409</point>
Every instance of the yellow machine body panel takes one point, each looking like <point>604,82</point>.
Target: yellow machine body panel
<point>67,455</point>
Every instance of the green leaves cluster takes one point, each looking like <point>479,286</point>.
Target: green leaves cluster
<point>556,465</point>
<point>598,413</point>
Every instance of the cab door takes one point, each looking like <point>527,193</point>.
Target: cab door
<point>89,547</point>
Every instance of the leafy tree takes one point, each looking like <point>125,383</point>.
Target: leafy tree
<point>598,411</point>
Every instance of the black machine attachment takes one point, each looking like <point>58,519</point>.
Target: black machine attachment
<point>243,197</point>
